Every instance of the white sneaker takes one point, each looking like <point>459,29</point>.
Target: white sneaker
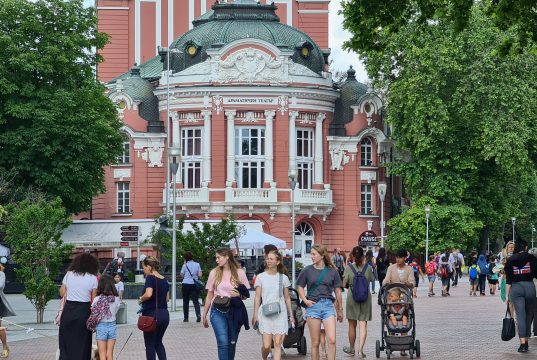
<point>269,355</point>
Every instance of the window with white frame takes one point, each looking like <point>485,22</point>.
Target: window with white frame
<point>191,157</point>
<point>304,157</point>
<point>366,152</point>
<point>125,156</point>
<point>366,207</point>
<point>123,198</point>
<point>249,156</point>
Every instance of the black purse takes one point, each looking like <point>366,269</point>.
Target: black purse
<point>198,283</point>
<point>508,327</point>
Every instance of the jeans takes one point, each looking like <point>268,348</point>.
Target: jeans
<point>374,281</point>
<point>456,275</point>
<point>226,347</point>
<point>153,341</point>
<point>522,296</point>
<point>190,293</point>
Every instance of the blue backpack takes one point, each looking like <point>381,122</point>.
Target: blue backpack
<point>473,272</point>
<point>360,285</point>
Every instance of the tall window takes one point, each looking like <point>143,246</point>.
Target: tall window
<point>191,157</point>
<point>366,200</point>
<point>123,198</point>
<point>125,157</point>
<point>366,152</point>
<point>249,157</point>
<point>304,157</point>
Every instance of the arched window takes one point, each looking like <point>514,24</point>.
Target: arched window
<point>366,152</point>
<point>304,240</point>
<point>125,156</point>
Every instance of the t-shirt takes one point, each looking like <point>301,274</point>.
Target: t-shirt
<point>225,287</point>
<point>193,268</point>
<point>120,287</point>
<point>79,287</point>
<point>114,307</point>
<point>271,291</point>
<point>308,277</point>
<point>338,261</point>
<point>158,285</point>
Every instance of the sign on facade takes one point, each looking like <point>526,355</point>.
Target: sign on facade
<point>368,238</point>
<point>251,101</point>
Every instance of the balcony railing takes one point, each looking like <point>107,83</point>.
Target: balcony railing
<point>188,196</point>
<point>308,196</point>
<point>251,195</point>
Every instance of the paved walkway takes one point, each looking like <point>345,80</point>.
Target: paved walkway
<point>456,327</point>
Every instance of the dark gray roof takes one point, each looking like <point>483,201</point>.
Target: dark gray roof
<point>140,89</point>
<point>350,91</point>
<point>150,70</point>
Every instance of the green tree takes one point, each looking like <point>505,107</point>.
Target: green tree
<point>449,226</point>
<point>57,126</point>
<point>33,231</point>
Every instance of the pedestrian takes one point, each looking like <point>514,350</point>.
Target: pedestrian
<point>5,311</point>
<point>272,286</point>
<point>79,286</point>
<point>431,268</point>
<point>416,269</point>
<point>338,261</point>
<point>322,280</point>
<point>520,270</point>
<point>473,275</point>
<point>357,312</point>
<point>492,276</point>
<point>226,287</point>
<point>266,249</point>
<point>103,317</point>
<point>533,251</point>
<point>483,273</point>
<point>506,253</point>
<point>460,263</point>
<point>370,260</point>
<point>120,287</point>
<point>191,272</point>
<point>345,258</point>
<point>154,303</point>
<point>444,273</point>
<point>381,262</point>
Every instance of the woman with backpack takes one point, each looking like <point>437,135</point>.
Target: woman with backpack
<point>483,273</point>
<point>323,282</point>
<point>357,277</point>
<point>431,267</point>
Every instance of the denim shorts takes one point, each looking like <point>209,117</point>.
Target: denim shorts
<point>431,278</point>
<point>322,309</point>
<point>106,331</point>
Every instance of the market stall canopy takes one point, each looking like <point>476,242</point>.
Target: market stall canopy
<point>255,239</point>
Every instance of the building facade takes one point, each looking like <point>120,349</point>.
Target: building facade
<point>244,93</point>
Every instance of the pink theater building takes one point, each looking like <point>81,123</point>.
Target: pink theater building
<point>250,101</point>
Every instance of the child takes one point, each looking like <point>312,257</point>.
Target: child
<point>103,317</point>
<point>431,267</point>
<point>417,272</point>
<point>493,276</point>
<point>396,310</point>
<point>473,274</point>
<point>119,285</point>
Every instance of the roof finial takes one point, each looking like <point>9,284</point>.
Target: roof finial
<point>351,73</point>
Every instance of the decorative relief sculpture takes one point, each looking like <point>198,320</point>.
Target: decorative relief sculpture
<point>249,117</point>
<point>283,104</point>
<point>153,155</point>
<point>190,118</point>
<point>249,65</point>
<point>217,103</point>
<point>339,159</point>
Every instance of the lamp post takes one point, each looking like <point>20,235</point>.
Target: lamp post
<point>513,221</point>
<point>532,232</point>
<point>381,187</point>
<point>174,157</point>
<point>427,213</point>
<point>292,184</point>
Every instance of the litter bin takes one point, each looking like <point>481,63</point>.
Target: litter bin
<point>121,315</point>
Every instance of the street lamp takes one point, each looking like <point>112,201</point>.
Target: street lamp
<point>292,183</point>
<point>513,221</point>
<point>427,213</point>
<point>174,157</point>
<point>381,187</point>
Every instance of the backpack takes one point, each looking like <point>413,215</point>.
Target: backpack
<point>415,269</point>
<point>473,272</point>
<point>430,268</point>
<point>360,285</point>
<point>444,273</point>
<point>484,270</point>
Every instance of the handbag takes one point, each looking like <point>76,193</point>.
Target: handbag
<point>222,303</point>
<point>149,323</point>
<point>58,318</point>
<point>274,308</point>
<point>508,327</point>
<point>199,284</point>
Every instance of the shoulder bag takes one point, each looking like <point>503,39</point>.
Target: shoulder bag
<point>274,308</point>
<point>149,323</point>
<point>58,318</point>
<point>199,284</point>
<point>508,327</point>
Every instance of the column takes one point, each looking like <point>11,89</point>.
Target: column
<point>318,170</point>
<point>292,139</point>
<point>230,176</point>
<point>269,139</point>
<point>206,150</point>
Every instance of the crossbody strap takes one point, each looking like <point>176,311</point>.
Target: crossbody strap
<point>318,281</point>
<point>156,297</point>
<point>280,285</point>
<point>192,276</point>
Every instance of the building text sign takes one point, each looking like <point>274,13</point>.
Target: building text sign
<point>368,238</point>
<point>250,101</point>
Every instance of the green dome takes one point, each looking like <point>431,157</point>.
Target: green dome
<point>230,22</point>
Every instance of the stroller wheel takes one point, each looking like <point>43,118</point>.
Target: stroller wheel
<point>417,347</point>
<point>303,346</point>
<point>377,348</point>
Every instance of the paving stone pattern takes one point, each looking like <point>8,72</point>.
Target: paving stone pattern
<point>455,327</point>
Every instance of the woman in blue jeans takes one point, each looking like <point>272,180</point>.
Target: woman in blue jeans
<point>154,303</point>
<point>228,283</point>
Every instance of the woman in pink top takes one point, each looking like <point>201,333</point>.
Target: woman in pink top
<point>223,286</point>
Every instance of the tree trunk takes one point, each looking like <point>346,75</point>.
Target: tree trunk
<point>40,313</point>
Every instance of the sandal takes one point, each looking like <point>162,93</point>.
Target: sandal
<point>5,353</point>
<point>348,350</point>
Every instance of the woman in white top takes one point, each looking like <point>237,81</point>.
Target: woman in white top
<point>79,286</point>
<point>273,287</point>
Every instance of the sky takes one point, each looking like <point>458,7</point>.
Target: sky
<point>342,59</point>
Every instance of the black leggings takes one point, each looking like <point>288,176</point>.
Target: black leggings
<point>153,341</point>
<point>482,283</point>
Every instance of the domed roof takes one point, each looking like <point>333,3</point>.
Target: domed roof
<point>246,19</point>
<point>350,91</point>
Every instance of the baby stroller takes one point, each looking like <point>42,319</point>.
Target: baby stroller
<point>400,337</point>
<point>295,337</point>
